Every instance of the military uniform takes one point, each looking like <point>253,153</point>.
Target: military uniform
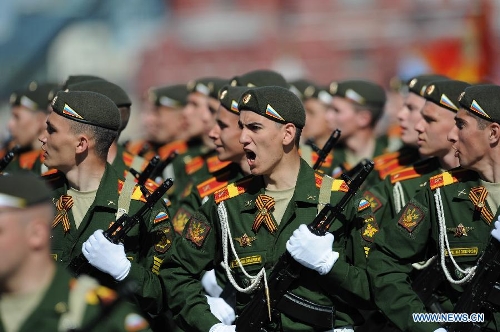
<point>201,192</point>
<point>146,245</point>
<point>55,302</point>
<point>390,162</point>
<point>415,237</point>
<point>200,249</point>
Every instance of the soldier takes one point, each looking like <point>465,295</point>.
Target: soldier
<point>36,293</point>
<point>29,111</point>
<point>271,119</point>
<point>451,218</point>
<point>89,197</point>
<point>357,105</point>
<point>120,159</point>
<point>408,116</point>
<point>317,130</point>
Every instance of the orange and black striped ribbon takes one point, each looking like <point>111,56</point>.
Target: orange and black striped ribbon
<point>63,204</point>
<point>478,197</point>
<point>264,203</point>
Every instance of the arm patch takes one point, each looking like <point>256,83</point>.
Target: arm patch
<point>197,231</point>
<point>411,216</point>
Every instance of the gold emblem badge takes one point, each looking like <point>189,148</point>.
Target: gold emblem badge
<point>245,240</point>
<point>460,230</point>
<point>411,217</point>
<point>309,91</point>
<point>223,94</point>
<point>461,96</point>
<point>333,87</point>
<point>413,82</point>
<point>430,90</point>
<point>246,98</point>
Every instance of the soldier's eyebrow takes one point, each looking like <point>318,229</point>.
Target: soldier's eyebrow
<point>50,127</point>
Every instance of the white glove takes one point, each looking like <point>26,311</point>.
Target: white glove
<point>106,256</point>
<point>312,251</point>
<point>210,284</point>
<point>219,327</point>
<point>440,330</point>
<point>221,310</point>
<point>496,231</point>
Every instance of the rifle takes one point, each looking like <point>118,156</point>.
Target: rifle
<point>425,284</point>
<point>264,304</point>
<point>9,156</point>
<point>117,231</point>
<point>323,152</point>
<point>482,295</point>
<point>162,165</point>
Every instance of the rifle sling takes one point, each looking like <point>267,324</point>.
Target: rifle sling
<point>128,188</point>
<point>315,315</point>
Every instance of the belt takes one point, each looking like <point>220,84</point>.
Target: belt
<point>315,315</point>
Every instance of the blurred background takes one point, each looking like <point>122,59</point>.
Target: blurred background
<point>138,44</point>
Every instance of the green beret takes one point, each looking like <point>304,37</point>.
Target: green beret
<point>34,97</point>
<point>169,96</point>
<point>73,79</point>
<point>419,83</point>
<point>305,89</point>
<point>445,93</point>
<point>23,189</point>
<point>87,107</point>
<point>110,90</point>
<point>482,100</point>
<point>275,103</point>
<point>262,77</point>
<point>362,92</point>
<point>209,86</point>
<point>229,97</point>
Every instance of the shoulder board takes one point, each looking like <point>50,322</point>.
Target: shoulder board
<point>127,158</point>
<point>213,184</point>
<point>137,194</point>
<point>337,185</point>
<point>194,165</point>
<point>326,163</point>
<point>413,171</point>
<point>381,160</point>
<point>233,189</point>
<point>136,147</point>
<point>54,179</point>
<point>101,295</point>
<point>214,164</point>
<point>449,177</point>
<point>180,147</point>
<point>27,159</point>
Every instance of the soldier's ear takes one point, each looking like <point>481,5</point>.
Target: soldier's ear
<point>494,132</point>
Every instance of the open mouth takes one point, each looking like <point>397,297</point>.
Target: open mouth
<point>250,155</point>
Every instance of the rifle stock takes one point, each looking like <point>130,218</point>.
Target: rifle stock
<point>9,156</point>
<point>117,231</point>
<point>259,310</point>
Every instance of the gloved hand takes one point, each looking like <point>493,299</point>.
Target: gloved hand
<point>106,256</point>
<point>219,327</point>
<point>312,251</point>
<point>210,284</point>
<point>440,330</point>
<point>221,310</point>
<point>495,232</point>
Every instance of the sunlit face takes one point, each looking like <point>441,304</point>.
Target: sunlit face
<point>408,116</point>
<point>170,124</point>
<point>197,114</point>
<point>25,125</point>
<point>345,116</point>
<point>225,134</point>
<point>13,242</point>
<point>433,130</point>
<point>316,125</point>
<point>59,143</point>
<point>262,141</point>
<point>471,144</point>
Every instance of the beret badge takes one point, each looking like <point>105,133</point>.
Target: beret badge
<point>246,98</point>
